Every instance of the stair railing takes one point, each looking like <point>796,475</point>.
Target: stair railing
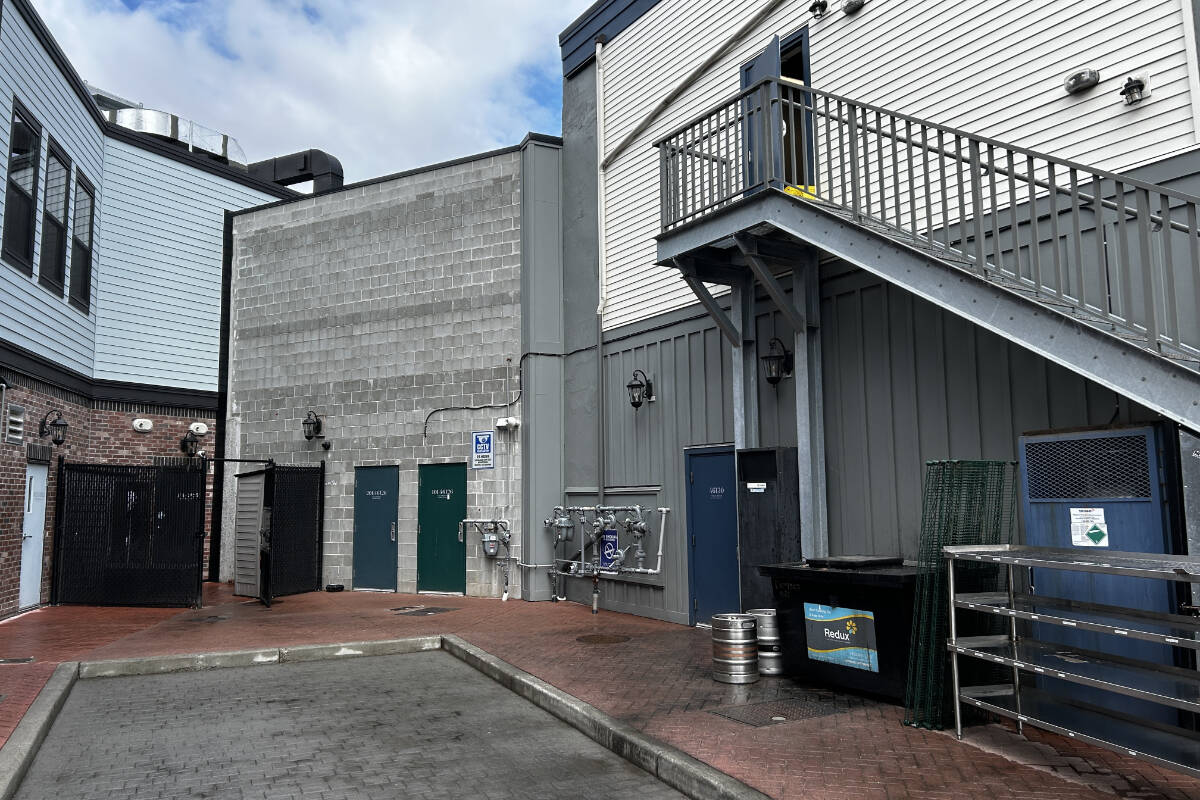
<point>1115,251</point>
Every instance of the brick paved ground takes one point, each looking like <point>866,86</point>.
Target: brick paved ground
<point>420,726</point>
<point>659,681</point>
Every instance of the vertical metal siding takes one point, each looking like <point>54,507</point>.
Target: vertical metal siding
<point>1001,76</point>
<point>30,316</point>
<point>159,311</point>
<point>247,525</point>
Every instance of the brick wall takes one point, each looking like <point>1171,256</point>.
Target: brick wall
<point>374,306</point>
<point>98,433</point>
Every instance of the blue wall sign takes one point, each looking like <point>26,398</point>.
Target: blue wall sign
<point>482,455</point>
<point>608,549</point>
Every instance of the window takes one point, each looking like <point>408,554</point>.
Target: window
<point>81,246</point>
<point>20,199</point>
<point>52,271</point>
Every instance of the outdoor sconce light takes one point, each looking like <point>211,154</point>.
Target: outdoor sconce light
<point>56,430</point>
<point>1134,91</point>
<point>313,428</point>
<point>640,389</point>
<point>852,6</point>
<point>818,8</point>
<point>778,361</point>
<point>189,444</point>
<point>1081,80</point>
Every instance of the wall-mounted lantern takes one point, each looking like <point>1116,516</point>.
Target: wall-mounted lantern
<point>640,389</point>
<point>314,428</point>
<point>189,445</point>
<point>1134,90</point>
<point>778,361</point>
<point>56,429</point>
<point>818,8</point>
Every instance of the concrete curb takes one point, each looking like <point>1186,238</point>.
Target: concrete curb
<point>388,647</point>
<point>20,748</point>
<point>672,766</point>
<point>158,665</point>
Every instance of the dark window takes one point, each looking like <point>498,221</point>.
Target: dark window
<point>81,244</point>
<point>20,195</point>
<point>52,269</point>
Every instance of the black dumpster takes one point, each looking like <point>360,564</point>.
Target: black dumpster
<point>846,621</point>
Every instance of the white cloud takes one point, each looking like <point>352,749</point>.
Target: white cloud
<point>384,85</point>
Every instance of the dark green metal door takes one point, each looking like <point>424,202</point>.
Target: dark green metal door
<point>375,527</point>
<point>442,505</point>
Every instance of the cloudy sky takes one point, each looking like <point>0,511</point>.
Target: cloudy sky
<point>384,85</point>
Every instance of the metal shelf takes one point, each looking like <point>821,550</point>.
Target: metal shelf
<point>1166,685</point>
<point>1141,565</point>
<point>1174,630</point>
<point>1177,749</point>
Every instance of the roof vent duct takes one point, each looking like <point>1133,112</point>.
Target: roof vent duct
<point>317,166</point>
<point>177,130</point>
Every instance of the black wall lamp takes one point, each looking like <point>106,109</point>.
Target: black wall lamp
<point>1134,90</point>
<point>640,389</point>
<point>818,8</point>
<point>778,361</point>
<point>56,429</point>
<point>189,444</point>
<point>314,427</point>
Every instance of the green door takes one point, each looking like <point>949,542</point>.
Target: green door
<point>442,505</point>
<point>375,527</point>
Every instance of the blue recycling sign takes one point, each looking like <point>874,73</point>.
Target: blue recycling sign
<point>482,452</point>
<point>608,549</point>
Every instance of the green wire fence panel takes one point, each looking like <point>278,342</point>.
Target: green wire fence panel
<point>963,502</point>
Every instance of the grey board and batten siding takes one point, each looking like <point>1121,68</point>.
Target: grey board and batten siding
<point>158,317</point>
<point>905,382</point>
<point>248,517</point>
<point>31,316</point>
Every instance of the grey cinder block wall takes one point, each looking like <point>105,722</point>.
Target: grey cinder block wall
<point>374,306</point>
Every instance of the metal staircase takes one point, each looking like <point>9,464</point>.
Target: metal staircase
<point>1115,261</point>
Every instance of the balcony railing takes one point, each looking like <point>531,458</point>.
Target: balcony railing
<point>1118,252</point>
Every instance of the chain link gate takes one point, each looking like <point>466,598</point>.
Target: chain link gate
<point>129,535</point>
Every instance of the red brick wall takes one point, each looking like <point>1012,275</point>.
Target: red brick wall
<point>103,434</point>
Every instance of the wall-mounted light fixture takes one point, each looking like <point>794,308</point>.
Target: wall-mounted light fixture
<point>56,429</point>
<point>314,428</point>
<point>1134,90</point>
<point>778,361</point>
<point>640,389</point>
<point>818,8</point>
<point>852,6</point>
<point>1081,80</point>
<point>189,445</point>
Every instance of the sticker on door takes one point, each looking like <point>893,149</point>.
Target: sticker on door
<point>1088,528</point>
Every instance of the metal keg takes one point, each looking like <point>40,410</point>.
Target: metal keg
<point>770,653</point>
<point>735,648</point>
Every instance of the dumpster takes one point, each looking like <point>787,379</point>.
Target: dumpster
<point>846,621</point>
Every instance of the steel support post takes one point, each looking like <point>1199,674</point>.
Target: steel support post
<point>745,367</point>
<point>810,414</point>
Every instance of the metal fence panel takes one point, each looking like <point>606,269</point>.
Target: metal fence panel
<point>296,529</point>
<point>129,535</point>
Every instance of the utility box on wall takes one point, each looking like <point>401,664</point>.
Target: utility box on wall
<point>768,517</point>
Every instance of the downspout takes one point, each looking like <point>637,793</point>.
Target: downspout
<point>601,269</point>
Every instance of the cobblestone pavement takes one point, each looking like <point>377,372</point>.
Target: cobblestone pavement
<point>420,726</point>
<point>659,681</point>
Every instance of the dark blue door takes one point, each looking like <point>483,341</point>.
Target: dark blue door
<point>762,128</point>
<point>1099,491</point>
<point>712,532</point>
<point>375,527</point>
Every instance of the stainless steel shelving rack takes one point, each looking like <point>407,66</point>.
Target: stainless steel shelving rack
<point>1174,747</point>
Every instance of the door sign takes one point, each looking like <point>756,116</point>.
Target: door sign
<point>608,549</point>
<point>482,456</point>
<point>1088,528</point>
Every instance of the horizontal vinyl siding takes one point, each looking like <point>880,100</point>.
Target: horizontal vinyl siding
<point>159,310</point>
<point>31,316</point>
<point>991,67</point>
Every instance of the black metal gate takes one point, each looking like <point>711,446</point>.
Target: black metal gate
<point>129,535</point>
<point>296,496</point>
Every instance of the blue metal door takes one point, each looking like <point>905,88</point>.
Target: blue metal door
<point>762,161</point>
<point>375,527</point>
<point>1097,491</point>
<point>712,532</point>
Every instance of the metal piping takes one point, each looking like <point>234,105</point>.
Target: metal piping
<point>601,270</point>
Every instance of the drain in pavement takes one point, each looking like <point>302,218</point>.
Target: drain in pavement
<point>810,706</point>
<point>420,611</point>
<point>602,638</point>
<point>27,660</point>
